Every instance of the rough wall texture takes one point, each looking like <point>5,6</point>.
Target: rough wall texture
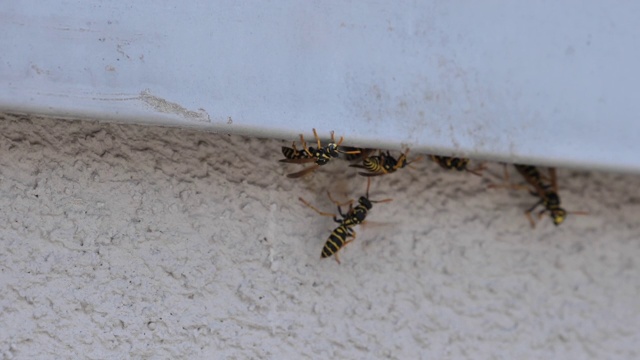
<point>120,241</point>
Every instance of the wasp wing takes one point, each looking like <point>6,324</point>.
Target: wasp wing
<point>303,172</point>
<point>298,161</point>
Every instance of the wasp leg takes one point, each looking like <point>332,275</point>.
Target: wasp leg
<point>293,145</point>
<point>507,182</point>
<point>368,186</point>
<point>414,160</point>
<point>315,135</point>
<point>304,146</point>
<point>343,214</point>
<point>478,170</point>
<point>531,221</point>
<point>554,182</point>
<point>340,205</point>
<point>402,160</point>
<point>337,202</point>
<point>530,210</point>
<point>375,201</point>
<point>316,209</point>
<point>333,140</point>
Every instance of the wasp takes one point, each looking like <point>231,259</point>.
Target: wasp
<point>339,237</point>
<point>320,155</point>
<point>383,163</point>
<point>460,164</point>
<point>547,193</point>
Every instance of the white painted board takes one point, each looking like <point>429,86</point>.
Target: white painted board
<point>541,82</point>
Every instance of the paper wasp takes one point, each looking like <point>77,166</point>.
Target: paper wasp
<point>321,155</point>
<point>383,163</point>
<point>460,164</point>
<point>547,193</point>
<point>355,216</point>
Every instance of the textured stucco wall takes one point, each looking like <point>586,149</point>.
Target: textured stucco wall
<point>120,241</point>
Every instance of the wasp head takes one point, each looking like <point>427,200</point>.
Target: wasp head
<point>552,199</point>
<point>558,215</point>
<point>365,202</point>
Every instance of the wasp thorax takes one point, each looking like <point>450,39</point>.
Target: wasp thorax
<point>552,199</point>
<point>332,150</point>
<point>365,202</point>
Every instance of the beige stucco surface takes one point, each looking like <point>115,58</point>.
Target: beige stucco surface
<point>121,241</point>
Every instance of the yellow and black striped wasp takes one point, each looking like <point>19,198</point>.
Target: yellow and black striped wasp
<point>460,164</point>
<point>547,193</point>
<point>383,163</point>
<point>355,216</point>
<point>320,155</point>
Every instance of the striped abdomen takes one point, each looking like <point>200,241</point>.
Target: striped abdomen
<point>293,153</point>
<point>446,162</point>
<point>531,174</point>
<point>374,164</point>
<point>383,164</point>
<point>336,240</point>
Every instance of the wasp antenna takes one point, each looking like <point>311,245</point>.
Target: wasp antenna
<point>337,202</point>
<point>419,158</point>
<point>381,201</point>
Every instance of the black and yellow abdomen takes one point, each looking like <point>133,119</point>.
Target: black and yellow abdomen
<point>447,162</point>
<point>336,240</point>
<point>531,174</point>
